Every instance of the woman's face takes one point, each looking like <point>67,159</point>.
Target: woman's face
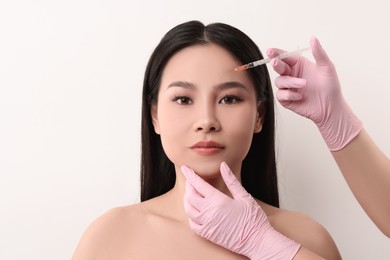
<point>206,112</point>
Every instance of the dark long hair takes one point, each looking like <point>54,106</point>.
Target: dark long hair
<point>258,173</point>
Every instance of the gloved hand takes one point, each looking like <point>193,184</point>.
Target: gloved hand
<point>238,224</point>
<point>313,90</point>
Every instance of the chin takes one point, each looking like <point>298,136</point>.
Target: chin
<point>206,169</point>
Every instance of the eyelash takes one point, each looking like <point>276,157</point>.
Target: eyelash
<point>184,100</point>
<point>181,98</point>
<point>237,99</point>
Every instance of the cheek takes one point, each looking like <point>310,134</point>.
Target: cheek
<point>171,141</point>
<point>173,131</point>
<point>242,140</point>
<point>240,128</point>
<point>173,120</point>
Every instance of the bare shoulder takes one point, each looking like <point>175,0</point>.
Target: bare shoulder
<point>107,233</point>
<point>304,230</point>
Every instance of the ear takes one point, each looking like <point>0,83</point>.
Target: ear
<point>259,118</point>
<point>153,113</point>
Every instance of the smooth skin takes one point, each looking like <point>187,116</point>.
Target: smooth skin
<point>303,86</point>
<point>367,171</point>
<point>200,98</point>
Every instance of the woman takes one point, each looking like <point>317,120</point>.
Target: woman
<point>199,112</point>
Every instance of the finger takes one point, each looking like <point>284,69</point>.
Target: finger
<point>189,209</point>
<point>287,95</point>
<point>291,61</point>
<point>319,53</point>
<point>280,67</point>
<point>201,186</point>
<point>193,205</point>
<point>193,198</point>
<point>273,52</point>
<point>283,82</point>
<point>231,182</point>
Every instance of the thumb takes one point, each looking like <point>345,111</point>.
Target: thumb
<point>231,182</point>
<point>319,53</point>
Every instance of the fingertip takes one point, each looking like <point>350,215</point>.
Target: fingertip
<point>318,52</point>
<point>313,40</point>
<point>224,168</point>
<point>223,164</point>
<point>195,184</point>
<point>269,52</point>
<point>187,171</point>
<point>280,66</point>
<point>315,44</point>
<point>231,181</point>
<point>227,173</point>
<point>189,175</point>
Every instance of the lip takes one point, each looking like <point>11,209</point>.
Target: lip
<point>207,148</point>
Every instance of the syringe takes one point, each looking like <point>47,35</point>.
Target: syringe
<point>266,60</point>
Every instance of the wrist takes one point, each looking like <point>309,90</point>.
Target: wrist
<point>273,245</point>
<point>341,127</point>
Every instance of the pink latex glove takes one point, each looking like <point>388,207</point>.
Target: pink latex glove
<point>238,224</point>
<point>313,90</point>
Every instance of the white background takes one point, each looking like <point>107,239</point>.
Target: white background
<point>70,95</point>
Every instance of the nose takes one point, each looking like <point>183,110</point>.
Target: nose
<point>207,121</point>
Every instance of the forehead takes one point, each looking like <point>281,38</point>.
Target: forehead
<point>208,64</point>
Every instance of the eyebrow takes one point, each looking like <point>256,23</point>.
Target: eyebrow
<point>221,86</point>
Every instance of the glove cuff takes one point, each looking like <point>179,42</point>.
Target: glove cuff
<point>343,127</point>
<point>274,245</point>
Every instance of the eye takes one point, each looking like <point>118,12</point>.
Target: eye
<point>230,99</point>
<point>182,100</point>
